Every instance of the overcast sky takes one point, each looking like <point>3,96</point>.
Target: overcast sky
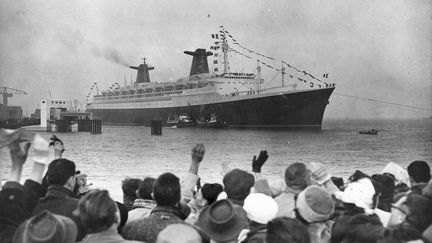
<point>371,49</point>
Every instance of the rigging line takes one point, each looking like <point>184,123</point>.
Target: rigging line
<point>384,102</point>
<point>267,84</point>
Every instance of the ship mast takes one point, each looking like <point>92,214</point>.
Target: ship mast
<point>225,51</point>
<point>259,76</point>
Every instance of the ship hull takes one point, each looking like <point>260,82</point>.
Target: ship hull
<point>290,110</point>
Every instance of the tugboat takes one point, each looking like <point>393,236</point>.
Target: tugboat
<point>179,121</point>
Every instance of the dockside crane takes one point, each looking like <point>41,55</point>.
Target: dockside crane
<point>9,92</point>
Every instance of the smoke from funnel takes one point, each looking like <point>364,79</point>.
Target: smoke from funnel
<point>110,55</point>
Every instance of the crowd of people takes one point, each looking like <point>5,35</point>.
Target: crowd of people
<point>55,203</point>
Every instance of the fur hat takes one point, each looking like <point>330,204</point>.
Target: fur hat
<point>314,204</point>
<point>46,227</point>
<point>237,184</point>
<point>260,207</point>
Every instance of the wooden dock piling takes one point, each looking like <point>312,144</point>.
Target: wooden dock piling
<point>156,127</point>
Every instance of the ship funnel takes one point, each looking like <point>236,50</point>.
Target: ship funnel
<point>199,61</point>
<point>143,74</point>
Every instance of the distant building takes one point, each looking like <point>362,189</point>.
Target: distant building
<point>10,113</point>
<point>50,109</point>
<point>36,114</point>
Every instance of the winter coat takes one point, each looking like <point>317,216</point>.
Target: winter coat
<point>147,229</point>
<point>107,236</point>
<point>141,208</point>
<point>286,202</point>
<point>16,204</point>
<point>62,201</point>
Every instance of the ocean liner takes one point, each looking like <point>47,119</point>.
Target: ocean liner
<point>217,99</point>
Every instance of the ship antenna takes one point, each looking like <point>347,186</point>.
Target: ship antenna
<point>283,74</point>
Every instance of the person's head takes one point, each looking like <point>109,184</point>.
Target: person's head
<point>46,227</point>
<point>238,184</point>
<point>385,186</point>
<point>297,176</point>
<point>260,208</point>
<point>400,234</point>
<point>208,194</point>
<point>419,172</point>
<point>313,205</point>
<point>166,190</point>
<point>363,229</point>
<point>222,221</point>
<point>286,230</point>
<point>145,188</point>
<point>130,186</point>
<point>61,172</point>
<point>97,211</point>
<point>179,233</point>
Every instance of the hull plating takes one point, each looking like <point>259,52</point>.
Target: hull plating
<point>302,109</point>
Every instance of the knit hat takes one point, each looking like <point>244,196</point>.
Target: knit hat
<point>179,233</point>
<point>260,207</point>
<point>237,184</point>
<point>46,227</point>
<point>360,193</point>
<point>314,204</point>
<point>223,220</point>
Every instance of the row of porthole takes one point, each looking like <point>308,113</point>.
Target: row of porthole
<point>241,83</point>
<point>55,102</point>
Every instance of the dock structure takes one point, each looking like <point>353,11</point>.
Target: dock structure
<point>57,115</point>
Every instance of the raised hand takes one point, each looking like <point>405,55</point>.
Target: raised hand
<point>197,155</point>
<point>198,152</point>
<point>257,163</point>
<point>83,186</point>
<point>319,172</point>
<point>58,146</point>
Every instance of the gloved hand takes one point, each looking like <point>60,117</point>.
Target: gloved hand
<point>258,163</point>
<point>319,172</point>
<point>58,146</point>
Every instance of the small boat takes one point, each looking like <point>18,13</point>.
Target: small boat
<point>172,121</point>
<point>369,132</point>
<point>212,122</point>
<point>181,120</point>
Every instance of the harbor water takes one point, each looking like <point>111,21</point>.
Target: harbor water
<point>130,151</point>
